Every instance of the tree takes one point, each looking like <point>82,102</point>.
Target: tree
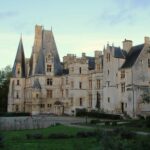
<point>5,75</point>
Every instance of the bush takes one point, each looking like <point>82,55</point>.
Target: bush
<point>1,142</point>
<point>83,112</point>
<point>124,133</point>
<point>85,134</point>
<point>13,114</point>
<point>114,123</point>
<point>34,136</point>
<point>107,123</point>
<point>59,136</point>
<point>95,121</point>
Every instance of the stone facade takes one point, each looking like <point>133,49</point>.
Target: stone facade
<point>114,81</point>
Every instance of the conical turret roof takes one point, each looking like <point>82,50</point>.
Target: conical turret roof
<point>20,59</point>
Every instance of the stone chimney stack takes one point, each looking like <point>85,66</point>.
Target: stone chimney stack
<point>83,54</point>
<point>147,40</point>
<point>127,44</point>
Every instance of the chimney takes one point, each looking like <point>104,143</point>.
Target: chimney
<point>147,40</point>
<point>127,44</point>
<point>83,55</point>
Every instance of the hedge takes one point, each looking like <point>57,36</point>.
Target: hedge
<point>14,114</point>
<point>95,114</point>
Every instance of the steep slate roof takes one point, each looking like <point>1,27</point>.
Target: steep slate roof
<point>36,84</point>
<point>40,67</point>
<point>48,46</point>
<point>118,52</point>
<point>132,56</point>
<point>20,58</point>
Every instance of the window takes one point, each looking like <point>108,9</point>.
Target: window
<point>37,95</point>
<point>90,100</point>
<point>90,84</point>
<point>122,87</point>
<point>18,82</point>
<point>98,84</point>
<point>108,99</point>
<point>49,67</point>
<point>81,102</point>
<point>49,105</point>
<point>66,80</point>
<point>108,72</point>
<point>80,70</point>
<point>72,84</point>
<point>108,83</point>
<point>42,105</point>
<point>71,101</point>
<point>49,82</point>
<point>108,57</point>
<point>122,74</point>
<point>17,95</point>
<point>149,63</point>
<point>49,93</point>
<point>98,67</point>
<point>66,92</point>
<point>18,71</point>
<point>17,108</point>
<point>80,85</point>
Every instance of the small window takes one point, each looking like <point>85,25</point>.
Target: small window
<point>90,100</point>
<point>49,82</point>
<point>66,92</point>
<point>108,72</point>
<point>122,74</point>
<point>49,68</point>
<point>80,70</point>
<point>17,95</point>
<point>108,57</point>
<point>18,71</point>
<point>18,82</point>
<point>81,102</point>
<point>80,85</point>
<point>37,95</point>
<point>49,93</point>
<point>72,84</point>
<point>108,99</point>
<point>122,87</point>
<point>90,84</point>
<point>149,63</point>
<point>98,84</point>
<point>108,83</point>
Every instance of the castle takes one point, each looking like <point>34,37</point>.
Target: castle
<point>115,81</point>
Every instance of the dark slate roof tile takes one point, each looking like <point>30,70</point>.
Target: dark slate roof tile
<point>132,56</point>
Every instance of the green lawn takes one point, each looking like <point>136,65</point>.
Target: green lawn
<point>103,140</point>
<point>16,140</point>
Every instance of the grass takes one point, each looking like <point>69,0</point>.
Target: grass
<point>104,140</point>
<point>16,140</point>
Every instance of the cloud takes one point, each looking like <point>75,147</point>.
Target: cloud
<point>8,14</point>
<point>116,17</point>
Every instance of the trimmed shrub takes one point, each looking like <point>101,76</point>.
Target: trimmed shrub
<point>95,121</point>
<point>114,123</point>
<point>34,136</point>
<point>107,123</point>
<point>83,112</point>
<point>85,134</point>
<point>59,136</point>
<point>1,142</point>
<point>13,114</point>
<point>124,133</point>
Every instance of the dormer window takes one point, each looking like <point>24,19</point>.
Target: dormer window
<point>18,71</point>
<point>18,82</point>
<point>49,82</point>
<point>49,68</point>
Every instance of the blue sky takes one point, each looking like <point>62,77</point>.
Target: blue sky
<point>78,25</point>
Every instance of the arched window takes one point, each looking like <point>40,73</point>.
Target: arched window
<point>49,68</point>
